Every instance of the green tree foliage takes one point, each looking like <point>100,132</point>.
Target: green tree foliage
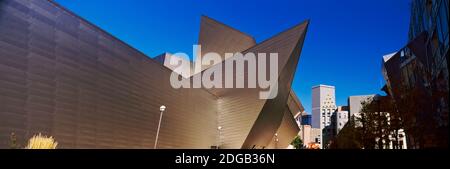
<point>297,143</point>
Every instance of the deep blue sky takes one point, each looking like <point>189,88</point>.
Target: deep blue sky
<point>343,47</point>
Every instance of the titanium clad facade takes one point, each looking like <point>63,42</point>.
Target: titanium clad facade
<point>294,104</point>
<point>283,137</point>
<point>220,38</point>
<point>245,120</point>
<point>69,79</point>
<point>64,77</point>
<point>262,118</point>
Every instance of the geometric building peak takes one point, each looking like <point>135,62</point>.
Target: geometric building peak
<point>220,38</point>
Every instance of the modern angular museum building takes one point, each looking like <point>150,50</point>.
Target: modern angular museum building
<point>62,76</point>
<point>417,76</point>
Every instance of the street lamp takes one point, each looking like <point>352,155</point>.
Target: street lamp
<point>276,140</point>
<point>219,139</point>
<point>161,109</point>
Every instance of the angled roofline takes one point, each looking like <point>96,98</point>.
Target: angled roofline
<point>296,100</point>
<point>291,27</point>
<point>147,58</point>
<point>99,29</point>
<point>228,26</point>
<point>389,56</point>
<point>267,39</point>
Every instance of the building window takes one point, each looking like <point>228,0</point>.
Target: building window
<point>443,21</point>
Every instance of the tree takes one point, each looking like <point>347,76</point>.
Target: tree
<point>377,122</point>
<point>297,143</point>
<point>349,137</point>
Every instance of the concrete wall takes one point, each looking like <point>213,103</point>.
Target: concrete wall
<point>316,134</point>
<point>341,120</point>
<point>354,103</point>
<point>305,134</point>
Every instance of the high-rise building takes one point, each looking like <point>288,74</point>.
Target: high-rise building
<point>61,75</point>
<point>323,107</point>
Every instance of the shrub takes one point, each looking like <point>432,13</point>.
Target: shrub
<point>41,142</point>
<point>297,143</point>
<point>13,141</point>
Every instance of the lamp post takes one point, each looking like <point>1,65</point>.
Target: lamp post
<point>161,109</point>
<point>219,139</point>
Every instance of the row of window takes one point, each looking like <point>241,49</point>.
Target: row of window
<point>342,116</point>
<point>328,122</point>
<point>327,110</point>
<point>431,16</point>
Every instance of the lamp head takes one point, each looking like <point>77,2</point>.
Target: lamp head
<point>162,108</point>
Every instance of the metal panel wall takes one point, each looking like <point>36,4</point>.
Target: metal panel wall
<point>64,77</point>
<point>287,129</point>
<point>220,38</point>
<point>247,120</point>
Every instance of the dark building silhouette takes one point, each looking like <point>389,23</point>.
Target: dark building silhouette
<point>417,76</point>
